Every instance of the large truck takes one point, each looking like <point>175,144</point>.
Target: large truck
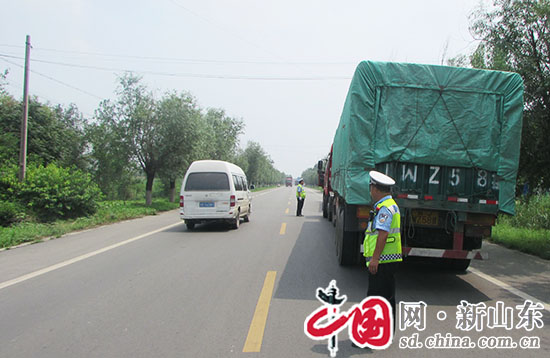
<point>288,181</point>
<point>449,136</point>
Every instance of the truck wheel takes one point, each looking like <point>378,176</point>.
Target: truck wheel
<point>330,210</point>
<point>325,204</point>
<point>346,243</point>
<point>190,226</point>
<point>459,265</point>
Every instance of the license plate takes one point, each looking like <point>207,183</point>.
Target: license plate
<point>428,218</point>
<point>203,204</point>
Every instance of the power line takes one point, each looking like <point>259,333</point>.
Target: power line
<point>188,60</point>
<point>53,79</point>
<point>192,75</point>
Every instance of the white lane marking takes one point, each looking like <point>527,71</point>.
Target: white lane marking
<point>509,288</point>
<point>79,258</point>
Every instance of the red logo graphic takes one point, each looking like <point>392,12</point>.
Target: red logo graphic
<point>370,322</point>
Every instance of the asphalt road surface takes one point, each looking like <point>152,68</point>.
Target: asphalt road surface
<point>151,288</point>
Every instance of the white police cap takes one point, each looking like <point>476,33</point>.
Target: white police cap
<point>380,178</point>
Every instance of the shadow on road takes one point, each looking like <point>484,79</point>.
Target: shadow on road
<point>312,264</point>
<point>204,228</point>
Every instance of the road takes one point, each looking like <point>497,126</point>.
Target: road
<point>151,288</point>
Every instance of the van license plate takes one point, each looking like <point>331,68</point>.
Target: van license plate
<point>203,204</point>
<point>428,218</point>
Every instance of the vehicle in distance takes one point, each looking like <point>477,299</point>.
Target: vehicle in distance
<point>288,181</point>
<point>214,190</point>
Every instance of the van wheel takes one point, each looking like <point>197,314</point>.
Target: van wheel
<point>237,221</point>
<point>246,218</point>
<point>190,226</point>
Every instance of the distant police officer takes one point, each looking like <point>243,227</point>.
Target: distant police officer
<point>301,197</point>
<point>382,245</point>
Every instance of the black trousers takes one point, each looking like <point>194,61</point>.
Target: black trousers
<point>383,284</point>
<point>300,206</point>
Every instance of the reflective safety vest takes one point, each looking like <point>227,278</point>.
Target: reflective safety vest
<point>300,192</point>
<point>392,250</point>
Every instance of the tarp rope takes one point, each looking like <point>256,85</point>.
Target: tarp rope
<point>452,121</point>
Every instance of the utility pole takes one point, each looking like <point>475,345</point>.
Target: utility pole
<point>23,148</point>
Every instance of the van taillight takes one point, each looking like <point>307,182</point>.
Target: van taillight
<point>232,201</point>
<point>181,201</point>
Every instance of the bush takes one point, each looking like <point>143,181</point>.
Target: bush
<point>9,184</point>
<point>531,214</point>
<point>10,213</point>
<point>58,193</point>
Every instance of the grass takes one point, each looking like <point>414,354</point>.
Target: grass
<point>529,230</point>
<point>531,241</point>
<point>108,212</point>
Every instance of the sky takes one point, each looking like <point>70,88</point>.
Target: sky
<point>282,67</point>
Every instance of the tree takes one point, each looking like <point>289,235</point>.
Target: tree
<point>310,176</point>
<point>133,126</point>
<point>10,109</point>
<point>3,76</point>
<point>180,136</point>
<point>221,135</point>
<point>258,166</point>
<point>55,135</point>
<point>515,36</point>
<point>111,163</point>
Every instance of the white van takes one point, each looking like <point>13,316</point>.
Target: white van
<point>213,190</point>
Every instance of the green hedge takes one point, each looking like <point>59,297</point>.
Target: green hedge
<point>50,193</point>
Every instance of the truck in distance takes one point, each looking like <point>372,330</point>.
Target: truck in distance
<point>288,181</point>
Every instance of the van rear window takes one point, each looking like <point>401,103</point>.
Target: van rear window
<point>207,182</point>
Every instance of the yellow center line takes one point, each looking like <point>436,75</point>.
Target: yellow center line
<point>283,229</point>
<point>286,211</point>
<point>257,326</point>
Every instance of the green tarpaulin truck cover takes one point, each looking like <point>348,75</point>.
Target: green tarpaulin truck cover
<point>426,114</point>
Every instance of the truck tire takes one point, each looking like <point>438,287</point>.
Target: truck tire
<point>459,265</point>
<point>330,209</point>
<point>325,206</point>
<point>455,265</point>
<point>190,225</point>
<point>346,243</point>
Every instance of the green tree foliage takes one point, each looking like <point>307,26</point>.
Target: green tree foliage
<point>132,123</point>
<point>10,109</point>
<point>51,192</point>
<point>181,132</point>
<point>310,176</point>
<point>54,135</point>
<point>516,37</point>
<point>111,166</point>
<point>3,81</point>
<point>258,166</point>
<point>221,135</point>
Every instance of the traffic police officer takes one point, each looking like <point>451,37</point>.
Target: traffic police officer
<point>301,197</point>
<point>382,245</point>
